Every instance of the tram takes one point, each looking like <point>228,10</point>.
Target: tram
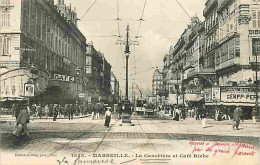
<point>140,106</point>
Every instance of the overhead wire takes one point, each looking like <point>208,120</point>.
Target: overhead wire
<point>141,19</point>
<point>88,9</point>
<point>119,33</point>
<point>183,8</point>
<point>137,35</point>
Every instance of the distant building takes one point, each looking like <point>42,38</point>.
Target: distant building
<point>115,88</point>
<point>157,87</point>
<point>98,73</point>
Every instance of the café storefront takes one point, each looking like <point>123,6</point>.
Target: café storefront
<point>21,84</point>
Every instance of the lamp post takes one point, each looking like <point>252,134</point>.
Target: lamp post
<point>127,43</point>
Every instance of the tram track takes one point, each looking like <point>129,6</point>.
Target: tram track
<point>169,134</point>
<point>90,129</point>
<point>76,137</point>
<point>145,133</point>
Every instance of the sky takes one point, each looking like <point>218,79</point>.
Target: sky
<point>164,22</point>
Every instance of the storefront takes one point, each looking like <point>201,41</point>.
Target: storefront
<point>21,84</point>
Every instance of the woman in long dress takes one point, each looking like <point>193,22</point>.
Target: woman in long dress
<point>108,116</point>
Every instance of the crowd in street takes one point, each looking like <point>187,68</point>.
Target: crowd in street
<point>201,112</point>
<point>49,110</point>
<point>24,113</point>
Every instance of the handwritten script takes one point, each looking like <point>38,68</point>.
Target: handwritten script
<point>236,148</point>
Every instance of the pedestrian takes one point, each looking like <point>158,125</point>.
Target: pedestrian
<point>55,112</point>
<point>108,116</point>
<point>236,117</point>
<point>241,114</point>
<point>228,113</point>
<point>203,116</point>
<point>98,112</point>
<point>197,113</point>
<point>177,114</point>
<point>46,111</point>
<point>33,111</point>
<point>72,109</point>
<point>69,110</point>
<point>51,110</point>
<point>17,111</point>
<point>39,111</point>
<point>23,119</point>
<point>254,114</point>
<point>65,109</point>
<point>13,110</point>
<point>59,110</point>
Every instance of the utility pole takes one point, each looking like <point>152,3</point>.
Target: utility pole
<point>127,53</point>
<point>127,107</point>
<point>256,84</point>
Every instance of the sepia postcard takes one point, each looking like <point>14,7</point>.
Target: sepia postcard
<point>129,82</point>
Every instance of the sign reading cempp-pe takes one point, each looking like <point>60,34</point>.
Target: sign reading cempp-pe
<point>238,94</point>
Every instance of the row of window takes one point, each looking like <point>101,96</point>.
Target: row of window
<point>39,23</point>
<point>211,21</point>
<point>4,19</point>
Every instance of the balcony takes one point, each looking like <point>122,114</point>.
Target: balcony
<point>202,71</point>
<point>209,5</point>
<point>234,61</point>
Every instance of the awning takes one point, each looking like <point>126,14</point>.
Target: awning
<point>231,104</point>
<point>193,97</point>
<point>12,98</point>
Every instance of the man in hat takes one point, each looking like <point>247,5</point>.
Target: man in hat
<point>236,117</point>
<point>108,116</point>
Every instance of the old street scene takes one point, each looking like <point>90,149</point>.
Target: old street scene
<point>129,82</point>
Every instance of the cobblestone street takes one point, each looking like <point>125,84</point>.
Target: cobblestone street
<point>87,137</point>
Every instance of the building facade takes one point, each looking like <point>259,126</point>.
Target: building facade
<point>157,86</point>
<point>98,73</point>
<point>40,44</point>
<point>215,62</point>
<point>115,89</point>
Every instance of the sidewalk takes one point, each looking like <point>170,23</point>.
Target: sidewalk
<point>9,118</point>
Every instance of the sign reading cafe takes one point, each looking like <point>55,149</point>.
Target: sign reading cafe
<point>63,78</point>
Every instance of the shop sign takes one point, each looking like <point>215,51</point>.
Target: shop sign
<point>238,94</point>
<point>81,95</point>
<point>253,33</point>
<point>63,78</point>
<point>28,90</point>
<point>215,93</point>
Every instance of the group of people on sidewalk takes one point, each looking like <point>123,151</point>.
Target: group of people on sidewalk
<point>201,113</point>
<point>49,110</point>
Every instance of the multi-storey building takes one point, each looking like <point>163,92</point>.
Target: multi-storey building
<point>98,72</point>
<point>195,72</point>
<point>106,90</point>
<point>40,44</point>
<point>157,86</point>
<point>115,88</point>
<point>238,51</point>
<point>217,59</point>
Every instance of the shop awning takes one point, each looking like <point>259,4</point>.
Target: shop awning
<point>231,104</point>
<point>12,98</point>
<point>193,97</point>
